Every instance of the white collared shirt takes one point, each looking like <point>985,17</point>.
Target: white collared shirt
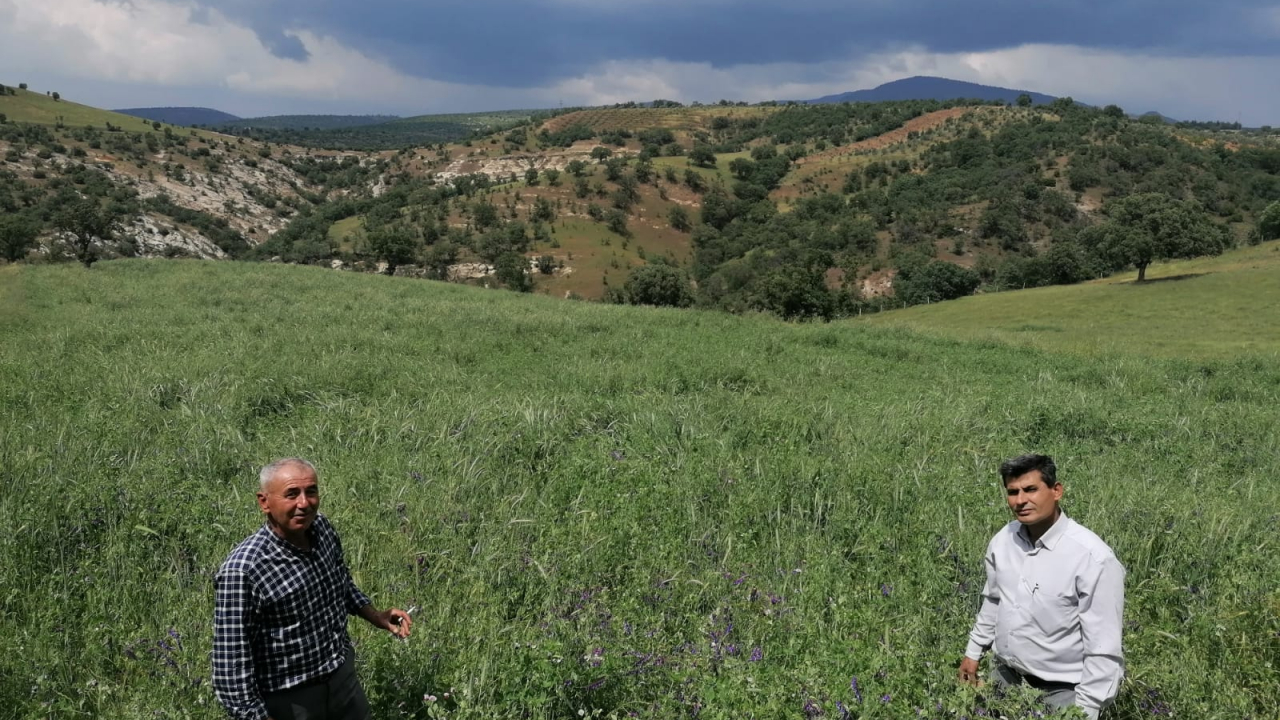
<point>1054,609</point>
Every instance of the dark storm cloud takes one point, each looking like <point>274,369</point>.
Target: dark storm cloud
<point>283,46</point>
<point>524,42</point>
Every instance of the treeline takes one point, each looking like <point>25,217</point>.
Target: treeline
<point>394,134</point>
<point>308,122</point>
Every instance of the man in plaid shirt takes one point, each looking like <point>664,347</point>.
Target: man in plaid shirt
<point>280,645</point>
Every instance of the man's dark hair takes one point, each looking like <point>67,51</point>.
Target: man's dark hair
<point>1023,464</point>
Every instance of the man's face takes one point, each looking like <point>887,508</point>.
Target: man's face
<point>291,499</point>
<point>1031,501</point>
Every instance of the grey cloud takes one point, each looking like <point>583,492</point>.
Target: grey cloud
<point>523,42</point>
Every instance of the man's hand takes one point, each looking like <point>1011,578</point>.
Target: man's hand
<point>969,672</point>
<point>395,621</point>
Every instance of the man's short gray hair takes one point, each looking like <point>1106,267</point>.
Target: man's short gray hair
<point>269,471</point>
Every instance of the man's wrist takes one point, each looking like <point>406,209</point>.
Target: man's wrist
<point>974,651</point>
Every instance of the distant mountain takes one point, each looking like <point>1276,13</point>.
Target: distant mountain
<point>309,122</point>
<point>181,115</point>
<point>933,88</point>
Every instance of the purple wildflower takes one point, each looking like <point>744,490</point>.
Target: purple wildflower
<point>844,711</point>
<point>886,589</point>
<point>886,698</point>
<point>757,654</point>
<point>853,685</point>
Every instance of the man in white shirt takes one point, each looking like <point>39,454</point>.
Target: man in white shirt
<point>1053,601</point>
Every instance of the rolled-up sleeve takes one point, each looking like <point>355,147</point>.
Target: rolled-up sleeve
<point>1101,593</point>
<point>233,680</point>
<point>984,627</point>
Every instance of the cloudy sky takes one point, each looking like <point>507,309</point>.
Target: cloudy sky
<point>1186,58</point>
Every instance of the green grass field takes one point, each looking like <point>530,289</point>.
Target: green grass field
<point>602,511</point>
<point>1206,308</point>
<point>32,107</point>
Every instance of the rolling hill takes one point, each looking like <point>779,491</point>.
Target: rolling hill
<point>184,116</point>
<point>1206,308</point>
<point>308,122</point>
<point>41,109</point>
<point>923,87</point>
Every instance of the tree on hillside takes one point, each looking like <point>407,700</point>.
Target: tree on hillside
<point>616,220</point>
<point>600,153</point>
<point>1024,100</point>
<point>512,270</point>
<point>56,97</point>
<point>87,224</point>
<point>485,215</point>
<point>1269,222</point>
<point>394,246</point>
<point>17,236</point>
<point>679,219</point>
<point>439,258</point>
<point>794,293</point>
<point>702,155</point>
<point>933,282</point>
<point>659,285</point>
<point>1147,227</point>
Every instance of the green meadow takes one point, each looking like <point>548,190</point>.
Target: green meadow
<point>605,511</point>
<point>33,107</point>
<point>1220,307</point>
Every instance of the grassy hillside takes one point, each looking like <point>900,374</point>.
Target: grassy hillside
<point>1206,308</point>
<point>602,511</point>
<point>33,107</point>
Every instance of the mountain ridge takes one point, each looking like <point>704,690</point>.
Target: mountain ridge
<point>180,115</point>
<point>926,87</point>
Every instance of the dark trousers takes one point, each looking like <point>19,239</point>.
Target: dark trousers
<point>336,697</point>
<point>1056,695</point>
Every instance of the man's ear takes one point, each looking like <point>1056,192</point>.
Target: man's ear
<point>1057,492</point>
<point>262,501</point>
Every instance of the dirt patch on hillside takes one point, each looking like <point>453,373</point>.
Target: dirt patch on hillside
<point>924,123</point>
<point>878,284</point>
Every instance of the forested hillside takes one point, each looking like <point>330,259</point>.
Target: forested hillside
<point>802,211</point>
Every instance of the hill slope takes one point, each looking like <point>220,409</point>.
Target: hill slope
<point>181,115</point>
<point>309,122</point>
<point>1208,308</point>
<point>933,88</point>
<point>606,509</point>
<point>32,107</point>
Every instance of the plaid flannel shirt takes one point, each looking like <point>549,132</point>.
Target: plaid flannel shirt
<point>280,616</point>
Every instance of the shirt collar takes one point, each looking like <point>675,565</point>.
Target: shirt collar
<point>1051,536</point>
<point>282,544</point>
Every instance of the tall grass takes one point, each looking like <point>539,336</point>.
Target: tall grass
<point>1204,308</point>
<point>600,509</point>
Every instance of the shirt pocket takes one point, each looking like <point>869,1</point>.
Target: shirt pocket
<point>1056,614</point>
